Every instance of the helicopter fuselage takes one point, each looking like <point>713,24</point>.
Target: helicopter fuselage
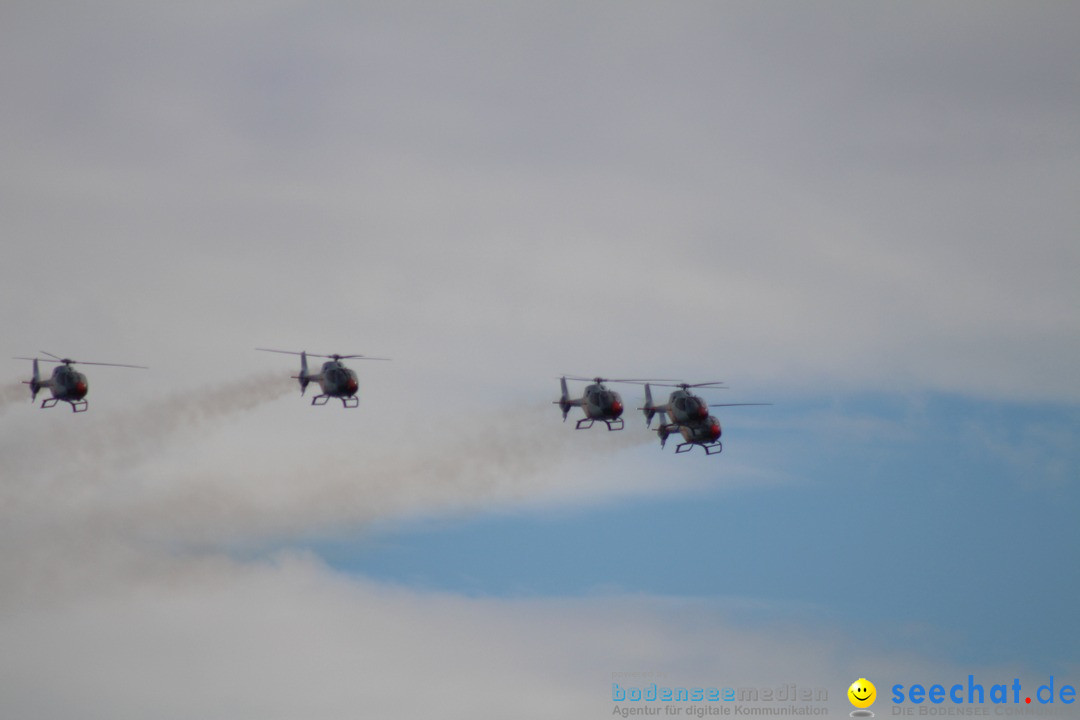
<point>705,433</point>
<point>67,384</point>
<point>684,407</point>
<point>336,380</point>
<point>600,403</point>
<point>701,432</point>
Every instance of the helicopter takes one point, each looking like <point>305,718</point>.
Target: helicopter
<point>689,417</point>
<point>66,384</point>
<point>598,402</point>
<point>334,379</point>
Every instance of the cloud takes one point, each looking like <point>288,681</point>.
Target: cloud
<point>120,599</point>
<point>797,207</point>
<point>122,596</point>
<point>121,479</point>
<point>284,636</point>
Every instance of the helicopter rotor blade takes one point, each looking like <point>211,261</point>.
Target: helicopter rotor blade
<point>58,358</point>
<point>287,352</point>
<point>138,367</point>
<point>354,357</point>
<point>616,380</point>
<point>637,381</point>
<point>716,384</point>
<point>738,404</point>
<point>69,361</point>
<point>331,357</point>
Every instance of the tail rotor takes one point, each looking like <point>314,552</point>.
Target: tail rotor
<point>564,401</point>
<point>663,431</point>
<point>649,410</point>
<point>303,376</point>
<point>35,382</point>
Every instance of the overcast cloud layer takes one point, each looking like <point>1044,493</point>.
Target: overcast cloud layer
<point>839,193</point>
<point>809,201</point>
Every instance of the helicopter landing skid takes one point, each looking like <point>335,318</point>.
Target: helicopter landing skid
<point>76,405</point>
<point>710,449</point>
<point>349,402</point>
<point>616,424</point>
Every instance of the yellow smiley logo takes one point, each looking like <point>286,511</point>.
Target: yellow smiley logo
<point>862,693</point>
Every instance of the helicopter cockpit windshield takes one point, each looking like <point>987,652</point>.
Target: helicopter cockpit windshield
<point>69,377</point>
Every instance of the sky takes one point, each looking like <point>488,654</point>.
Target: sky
<point>861,213</point>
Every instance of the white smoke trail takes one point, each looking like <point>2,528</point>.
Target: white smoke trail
<point>522,457</point>
<point>519,457</point>
<point>13,393</point>
<point>68,493</point>
<point>126,438</point>
<point>83,461</point>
